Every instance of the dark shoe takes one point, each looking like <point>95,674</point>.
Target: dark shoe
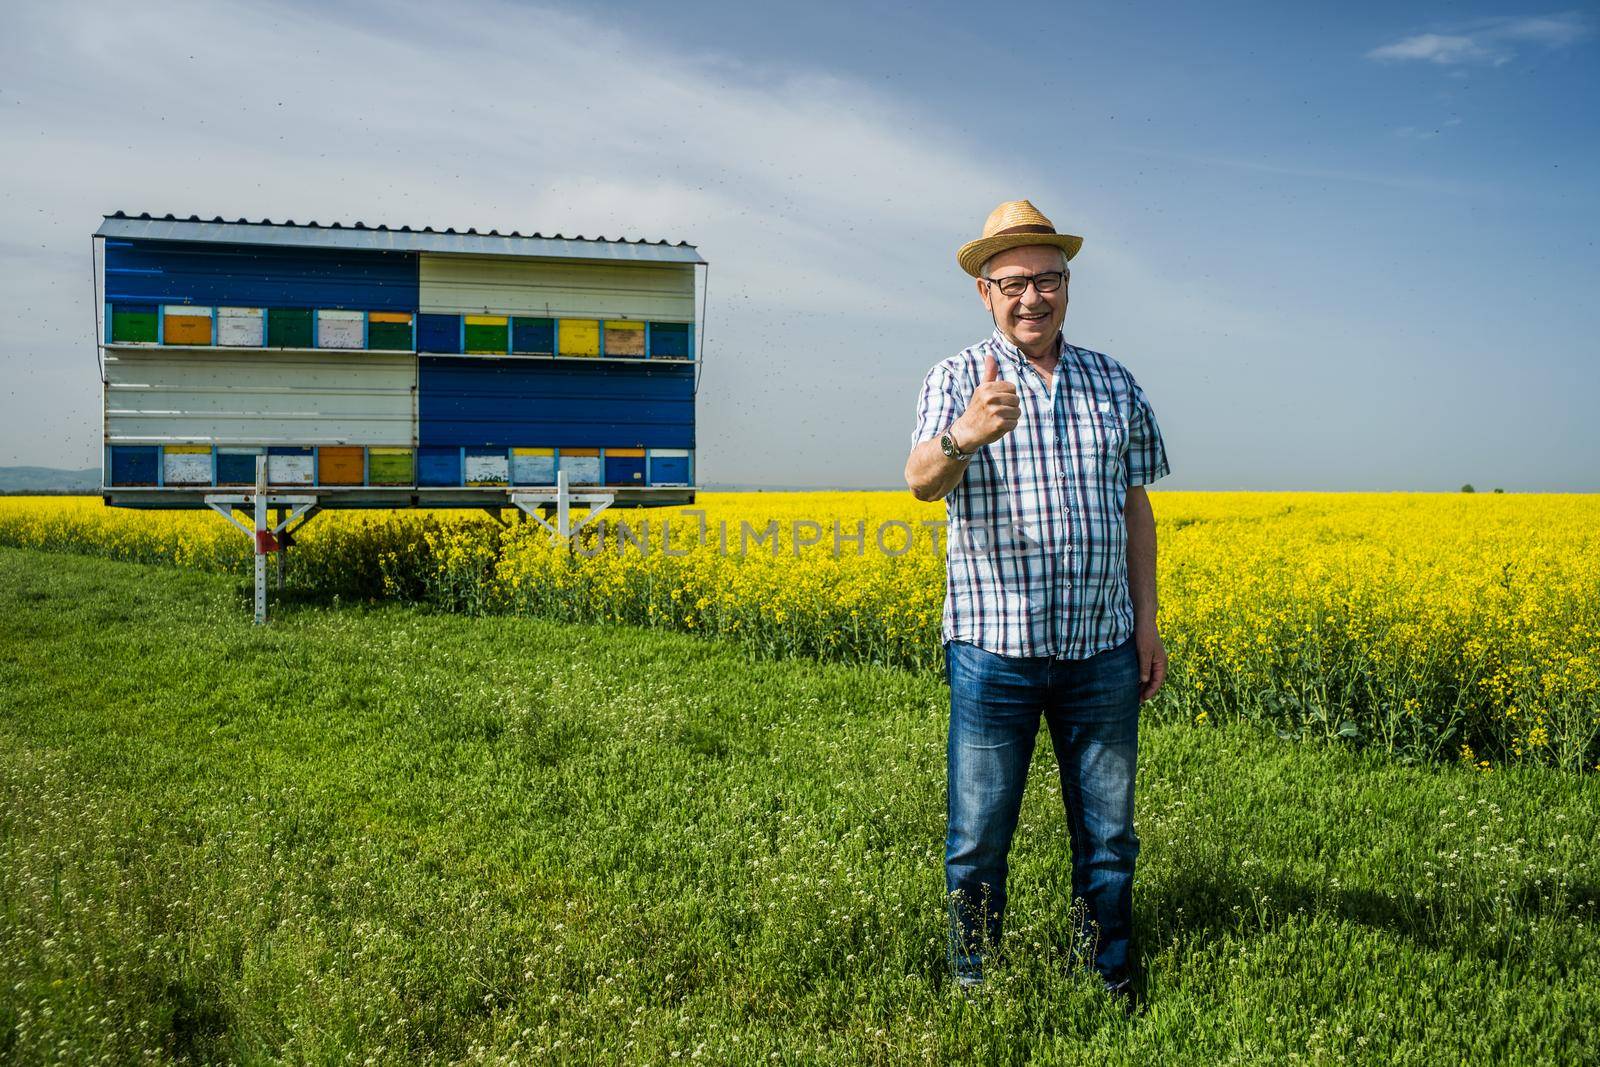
<point>1125,996</point>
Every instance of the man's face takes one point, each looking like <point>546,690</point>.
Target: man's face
<point>1034,317</point>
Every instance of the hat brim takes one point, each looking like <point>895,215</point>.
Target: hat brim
<point>973,254</point>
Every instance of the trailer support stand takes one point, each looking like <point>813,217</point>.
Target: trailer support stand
<point>535,504</point>
<point>264,532</point>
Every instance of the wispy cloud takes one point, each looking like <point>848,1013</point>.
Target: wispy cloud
<point>1426,133</point>
<point>1487,42</point>
<point>1406,182</point>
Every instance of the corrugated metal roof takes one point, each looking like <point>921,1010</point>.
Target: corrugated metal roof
<point>387,238</point>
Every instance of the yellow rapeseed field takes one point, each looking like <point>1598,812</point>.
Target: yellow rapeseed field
<point>1451,625</point>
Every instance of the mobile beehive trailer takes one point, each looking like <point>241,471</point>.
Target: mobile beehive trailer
<point>291,368</point>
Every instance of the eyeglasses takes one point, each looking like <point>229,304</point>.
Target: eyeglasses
<point>1017,284</point>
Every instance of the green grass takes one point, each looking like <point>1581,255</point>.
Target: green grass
<point>379,832</point>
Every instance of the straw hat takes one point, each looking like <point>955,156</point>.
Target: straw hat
<point>1011,225</point>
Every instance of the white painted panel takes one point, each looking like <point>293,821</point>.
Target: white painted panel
<point>556,289</point>
<point>241,327</point>
<point>271,397</point>
<point>486,468</point>
<point>341,329</point>
<point>186,468</point>
<point>533,470</point>
<point>290,470</point>
<point>581,468</point>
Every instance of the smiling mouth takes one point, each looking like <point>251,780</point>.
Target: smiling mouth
<point>1040,317</point>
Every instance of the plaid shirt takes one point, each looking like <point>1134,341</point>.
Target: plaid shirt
<point>1037,550</point>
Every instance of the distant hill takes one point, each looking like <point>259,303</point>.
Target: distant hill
<point>49,480</point>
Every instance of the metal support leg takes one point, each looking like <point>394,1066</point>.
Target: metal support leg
<point>537,505</point>
<point>278,523</point>
<point>287,510</point>
<point>563,507</point>
<point>262,536</point>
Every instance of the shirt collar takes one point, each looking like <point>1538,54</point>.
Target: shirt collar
<point>1014,354</point>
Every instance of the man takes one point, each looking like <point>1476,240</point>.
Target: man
<point>1041,451</point>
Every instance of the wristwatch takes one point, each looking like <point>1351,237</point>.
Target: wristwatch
<point>948,443</point>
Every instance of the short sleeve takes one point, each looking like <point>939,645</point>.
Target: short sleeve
<point>1147,453</point>
<point>938,404</point>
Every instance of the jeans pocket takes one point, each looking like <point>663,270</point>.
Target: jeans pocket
<point>1113,680</point>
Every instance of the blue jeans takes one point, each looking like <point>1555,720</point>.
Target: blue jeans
<point>1092,708</point>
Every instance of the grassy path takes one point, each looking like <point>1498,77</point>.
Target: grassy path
<point>390,834</point>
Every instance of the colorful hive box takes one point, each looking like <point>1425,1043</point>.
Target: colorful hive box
<point>581,465</point>
<point>341,329</point>
<point>624,466</point>
<point>340,465</point>
<point>185,325</point>
<point>390,466</point>
<point>533,336</point>
<point>241,327</point>
<point>134,324</point>
<point>438,466</point>
<point>486,334</point>
<point>579,337</point>
<point>186,465</point>
<point>625,339</point>
<point>669,466</point>
<point>669,340</point>
<point>135,464</point>
<point>236,464</point>
<point>290,328</point>
<point>289,465</point>
<point>533,466</point>
<point>389,331</point>
<point>487,466</point>
<point>439,333</point>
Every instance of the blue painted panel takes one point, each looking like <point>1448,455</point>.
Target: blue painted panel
<point>236,468</point>
<point>438,466</point>
<point>438,333</point>
<point>669,340</point>
<point>565,402</point>
<point>176,272</point>
<point>669,470</point>
<point>135,464</point>
<point>533,335</point>
<point>624,470</point>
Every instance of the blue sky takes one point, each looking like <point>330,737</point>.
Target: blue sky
<point>1341,247</point>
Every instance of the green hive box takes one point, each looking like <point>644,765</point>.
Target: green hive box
<point>482,338</point>
<point>290,328</point>
<point>389,466</point>
<point>389,336</point>
<point>133,325</point>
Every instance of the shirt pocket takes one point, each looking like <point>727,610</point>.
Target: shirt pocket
<point>1102,438</point>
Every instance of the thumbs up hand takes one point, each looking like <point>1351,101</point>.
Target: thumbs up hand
<point>992,413</point>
